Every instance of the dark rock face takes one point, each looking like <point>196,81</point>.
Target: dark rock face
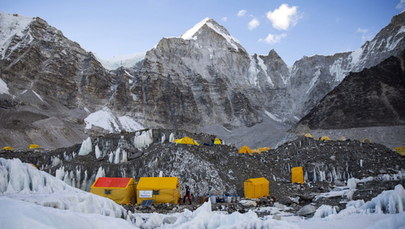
<point>313,77</point>
<point>50,79</point>
<point>372,97</point>
<point>55,67</point>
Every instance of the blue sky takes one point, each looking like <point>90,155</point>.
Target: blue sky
<point>294,28</point>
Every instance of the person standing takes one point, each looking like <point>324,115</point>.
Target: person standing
<point>188,195</point>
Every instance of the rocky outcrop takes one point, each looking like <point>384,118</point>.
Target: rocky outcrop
<point>372,97</point>
<point>50,80</point>
<point>313,77</point>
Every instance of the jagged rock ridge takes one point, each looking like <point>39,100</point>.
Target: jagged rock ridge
<point>203,78</point>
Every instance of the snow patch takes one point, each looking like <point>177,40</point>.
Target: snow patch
<point>11,25</point>
<point>313,80</point>
<point>3,87</point>
<point>39,97</point>
<point>106,120</point>
<point>252,73</point>
<point>129,124</point>
<point>264,68</point>
<point>273,116</point>
<point>191,33</point>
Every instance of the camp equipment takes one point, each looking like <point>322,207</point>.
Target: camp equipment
<point>297,175</point>
<point>119,189</point>
<point>186,140</point>
<point>158,189</point>
<point>256,187</point>
<point>245,149</point>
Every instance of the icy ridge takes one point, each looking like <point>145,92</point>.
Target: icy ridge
<point>24,182</point>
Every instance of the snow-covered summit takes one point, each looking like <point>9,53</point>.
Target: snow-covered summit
<point>192,34</point>
<point>11,25</point>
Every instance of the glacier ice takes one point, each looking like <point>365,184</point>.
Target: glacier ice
<point>86,147</point>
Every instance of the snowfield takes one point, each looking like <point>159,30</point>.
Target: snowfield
<point>30,198</point>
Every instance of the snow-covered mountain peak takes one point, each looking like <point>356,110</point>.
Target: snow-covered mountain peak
<point>196,30</point>
<point>11,25</point>
<point>190,34</point>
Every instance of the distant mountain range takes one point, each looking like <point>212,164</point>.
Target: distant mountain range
<point>50,87</point>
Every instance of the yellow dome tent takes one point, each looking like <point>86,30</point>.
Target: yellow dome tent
<point>256,187</point>
<point>366,140</point>
<point>245,149</point>
<point>158,189</point>
<point>119,189</point>
<point>217,141</point>
<point>33,146</point>
<point>325,138</point>
<point>308,135</point>
<point>186,140</point>
<point>8,148</point>
<point>400,150</point>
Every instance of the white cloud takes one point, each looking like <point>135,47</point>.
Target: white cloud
<point>242,13</point>
<point>401,5</point>
<point>283,17</point>
<point>365,34</point>
<point>224,19</point>
<point>253,24</point>
<point>360,30</point>
<point>273,38</point>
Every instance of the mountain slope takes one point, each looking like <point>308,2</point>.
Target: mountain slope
<point>372,97</point>
<point>368,104</point>
<point>313,77</point>
<point>203,79</point>
<point>50,80</point>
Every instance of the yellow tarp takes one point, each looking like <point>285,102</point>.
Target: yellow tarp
<point>158,189</point>
<point>366,140</point>
<point>297,175</point>
<point>308,135</point>
<point>9,148</point>
<point>217,141</point>
<point>256,187</point>
<point>121,190</point>
<point>33,146</point>
<point>186,140</point>
<point>400,150</point>
<point>245,149</point>
<point>261,149</point>
<point>325,138</point>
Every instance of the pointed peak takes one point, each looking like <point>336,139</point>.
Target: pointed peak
<point>211,24</point>
<point>191,32</point>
